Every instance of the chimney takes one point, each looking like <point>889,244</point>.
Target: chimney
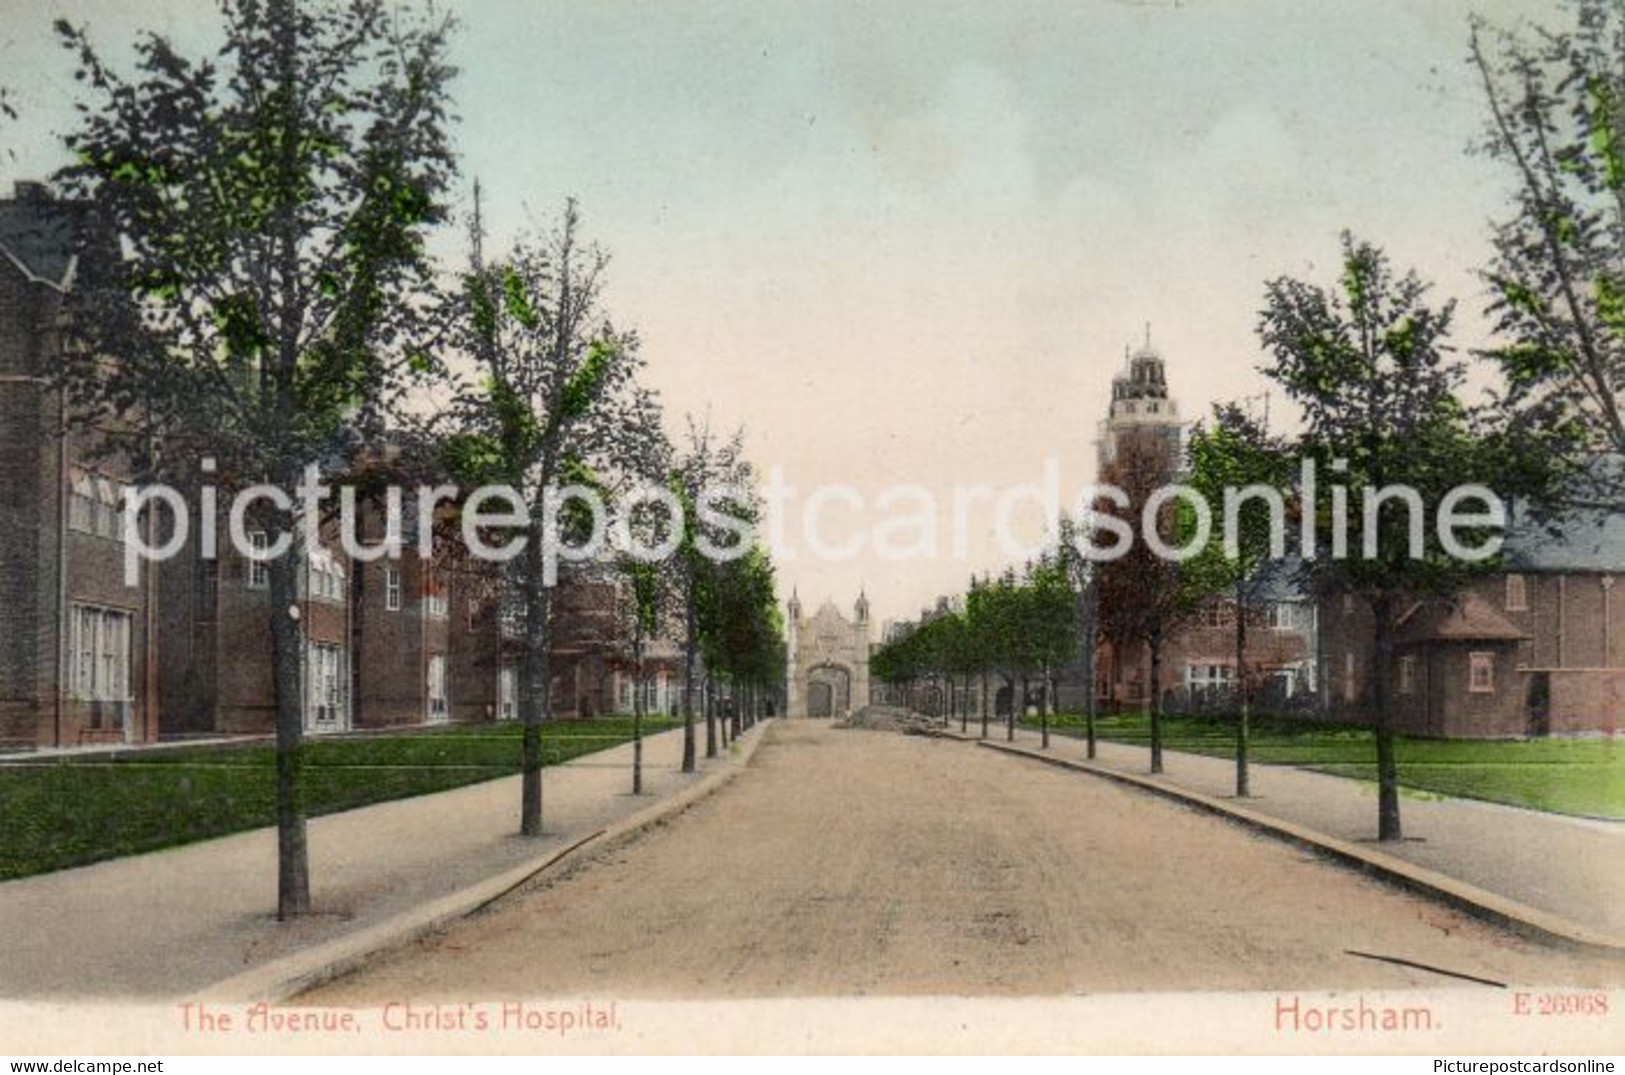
<point>31,192</point>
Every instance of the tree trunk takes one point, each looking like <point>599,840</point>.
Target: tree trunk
<point>1156,702</point>
<point>1243,695</point>
<point>535,687</point>
<point>1010,714</point>
<point>1091,696</point>
<point>1388,826</point>
<point>710,696</point>
<point>1043,713</point>
<point>964,706</point>
<point>691,652</point>
<point>287,675</point>
<point>637,713</point>
<point>287,630</point>
<point>984,705</point>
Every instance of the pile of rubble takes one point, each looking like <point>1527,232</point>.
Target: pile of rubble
<point>890,718</point>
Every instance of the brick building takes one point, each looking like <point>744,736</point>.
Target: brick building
<point>1199,667</point>
<point>1537,649</point>
<point>185,650</point>
<point>76,643</point>
<point>215,655</point>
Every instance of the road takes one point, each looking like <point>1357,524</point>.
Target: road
<point>850,863</point>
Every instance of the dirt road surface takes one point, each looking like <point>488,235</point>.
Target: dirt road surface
<point>851,863</point>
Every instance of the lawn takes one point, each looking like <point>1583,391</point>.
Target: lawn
<point>1565,776</point>
<point>73,811</point>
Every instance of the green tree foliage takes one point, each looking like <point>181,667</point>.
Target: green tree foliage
<point>1083,575</point>
<point>1048,610</point>
<point>252,224</point>
<point>705,465</point>
<point>553,401</point>
<point>1233,455</point>
<point>1557,122</point>
<point>1366,362</point>
<point>1143,597</point>
<point>742,631</point>
<point>1013,626</point>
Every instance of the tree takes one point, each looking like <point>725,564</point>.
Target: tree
<point>1142,596</point>
<point>1049,630</point>
<point>705,466</point>
<point>252,230</point>
<point>644,598</point>
<point>981,641</point>
<point>742,631</point>
<point>1557,121</point>
<point>1366,364</point>
<point>958,661</point>
<point>1084,576</point>
<point>554,403</point>
<point>1232,455</point>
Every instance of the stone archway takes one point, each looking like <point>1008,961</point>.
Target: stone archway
<point>828,673</point>
<point>829,690</point>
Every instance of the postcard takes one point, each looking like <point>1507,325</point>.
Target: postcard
<point>536,528</point>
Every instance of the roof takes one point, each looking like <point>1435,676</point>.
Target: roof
<point>1467,618</point>
<point>38,238</point>
<point>1582,540</point>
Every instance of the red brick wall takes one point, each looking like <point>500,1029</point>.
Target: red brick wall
<point>395,646</point>
<point>1585,700</point>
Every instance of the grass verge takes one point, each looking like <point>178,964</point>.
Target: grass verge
<point>73,811</point>
<point>1583,777</point>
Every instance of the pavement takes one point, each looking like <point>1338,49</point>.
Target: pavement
<point>176,922</point>
<point>848,862</point>
<point>1573,868</point>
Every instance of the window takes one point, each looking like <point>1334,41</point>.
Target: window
<point>473,613</point>
<point>1350,685</point>
<point>508,694</point>
<point>1407,675</point>
<point>434,597</point>
<point>109,508</point>
<point>259,571</point>
<point>1208,680</point>
<point>1348,604</point>
<point>325,694</point>
<point>101,654</point>
<point>1481,673</point>
<point>623,693</point>
<point>82,505</point>
<point>96,506</point>
<point>437,689</point>
<point>512,615</point>
<point>1517,594</point>
<point>1285,616</point>
<point>1217,614</point>
<point>325,578</point>
<point>392,588</point>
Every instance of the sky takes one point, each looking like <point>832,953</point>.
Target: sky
<point>906,243</point>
